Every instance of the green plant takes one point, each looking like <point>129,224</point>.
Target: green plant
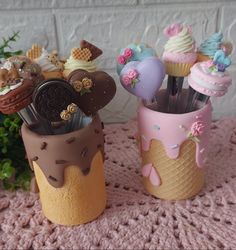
<point>14,170</point>
<point>13,164</point>
<point>5,54</point>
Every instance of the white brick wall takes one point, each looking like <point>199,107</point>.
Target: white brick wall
<point>112,24</point>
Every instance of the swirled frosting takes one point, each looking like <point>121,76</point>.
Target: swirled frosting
<point>10,87</point>
<point>73,64</point>
<point>181,43</point>
<point>44,62</point>
<point>211,45</point>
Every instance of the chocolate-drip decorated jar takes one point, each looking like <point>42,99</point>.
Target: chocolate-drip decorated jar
<point>69,172</point>
<point>173,148</point>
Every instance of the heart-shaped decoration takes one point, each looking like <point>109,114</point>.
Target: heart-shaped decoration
<point>81,54</point>
<point>95,89</point>
<point>143,79</point>
<point>34,52</point>
<point>222,60</point>
<point>133,52</point>
<point>173,29</point>
<point>150,172</point>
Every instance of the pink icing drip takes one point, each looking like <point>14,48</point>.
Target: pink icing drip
<point>174,129</point>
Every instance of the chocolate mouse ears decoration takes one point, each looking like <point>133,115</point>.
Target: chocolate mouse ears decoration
<point>94,89</point>
<point>54,100</point>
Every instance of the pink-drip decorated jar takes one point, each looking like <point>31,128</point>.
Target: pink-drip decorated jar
<point>173,148</point>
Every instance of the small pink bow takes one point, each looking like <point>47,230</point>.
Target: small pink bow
<point>149,171</point>
<point>173,29</point>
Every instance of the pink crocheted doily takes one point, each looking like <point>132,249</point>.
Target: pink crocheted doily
<point>133,219</point>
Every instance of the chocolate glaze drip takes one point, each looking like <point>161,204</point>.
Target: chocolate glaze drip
<point>75,148</point>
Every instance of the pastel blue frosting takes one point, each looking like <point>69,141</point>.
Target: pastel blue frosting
<point>140,52</point>
<point>211,45</point>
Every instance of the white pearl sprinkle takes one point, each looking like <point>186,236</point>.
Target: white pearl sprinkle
<point>145,139</point>
<point>156,127</point>
<point>174,146</point>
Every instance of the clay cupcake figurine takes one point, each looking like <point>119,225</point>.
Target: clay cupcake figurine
<point>208,48</point>
<point>18,78</point>
<point>82,58</point>
<point>210,78</point>
<point>50,63</point>
<point>180,53</point>
<point>133,52</point>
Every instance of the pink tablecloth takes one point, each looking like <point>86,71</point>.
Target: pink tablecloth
<point>133,219</point>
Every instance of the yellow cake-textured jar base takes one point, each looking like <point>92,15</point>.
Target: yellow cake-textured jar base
<point>178,69</point>
<point>202,58</point>
<point>66,73</point>
<point>52,74</point>
<point>81,199</point>
<point>181,178</point>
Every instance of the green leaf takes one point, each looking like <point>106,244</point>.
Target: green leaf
<point>84,91</point>
<point>6,169</point>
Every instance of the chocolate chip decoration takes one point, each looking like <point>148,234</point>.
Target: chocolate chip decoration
<point>100,94</point>
<point>51,97</point>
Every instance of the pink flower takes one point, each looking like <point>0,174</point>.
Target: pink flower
<point>197,128</point>
<point>121,59</point>
<point>173,29</point>
<point>128,53</point>
<point>126,80</point>
<point>133,74</point>
<point>209,63</point>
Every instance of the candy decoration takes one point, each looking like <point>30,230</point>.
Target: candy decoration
<point>98,88</point>
<point>143,79</point>
<point>133,52</point>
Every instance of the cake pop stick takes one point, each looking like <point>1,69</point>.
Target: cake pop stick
<point>174,89</point>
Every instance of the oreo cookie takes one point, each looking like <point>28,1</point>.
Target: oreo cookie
<point>51,97</point>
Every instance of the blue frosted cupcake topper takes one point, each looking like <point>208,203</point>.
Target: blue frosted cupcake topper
<point>211,45</point>
<point>133,52</point>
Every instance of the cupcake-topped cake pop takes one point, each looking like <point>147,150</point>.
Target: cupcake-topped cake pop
<point>180,53</point>
<point>208,48</point>
<point>50,64</point>
<point>82,58</point>
<point>211,77</point>
<point>133,52</point>
<point>18,78</point>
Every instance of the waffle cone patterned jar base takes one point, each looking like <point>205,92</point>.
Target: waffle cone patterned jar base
<point>173,149</point>
<point>69,173</point>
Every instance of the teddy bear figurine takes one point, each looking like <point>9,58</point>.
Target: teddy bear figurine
<point>8,76</point>
<point>54,59</point>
